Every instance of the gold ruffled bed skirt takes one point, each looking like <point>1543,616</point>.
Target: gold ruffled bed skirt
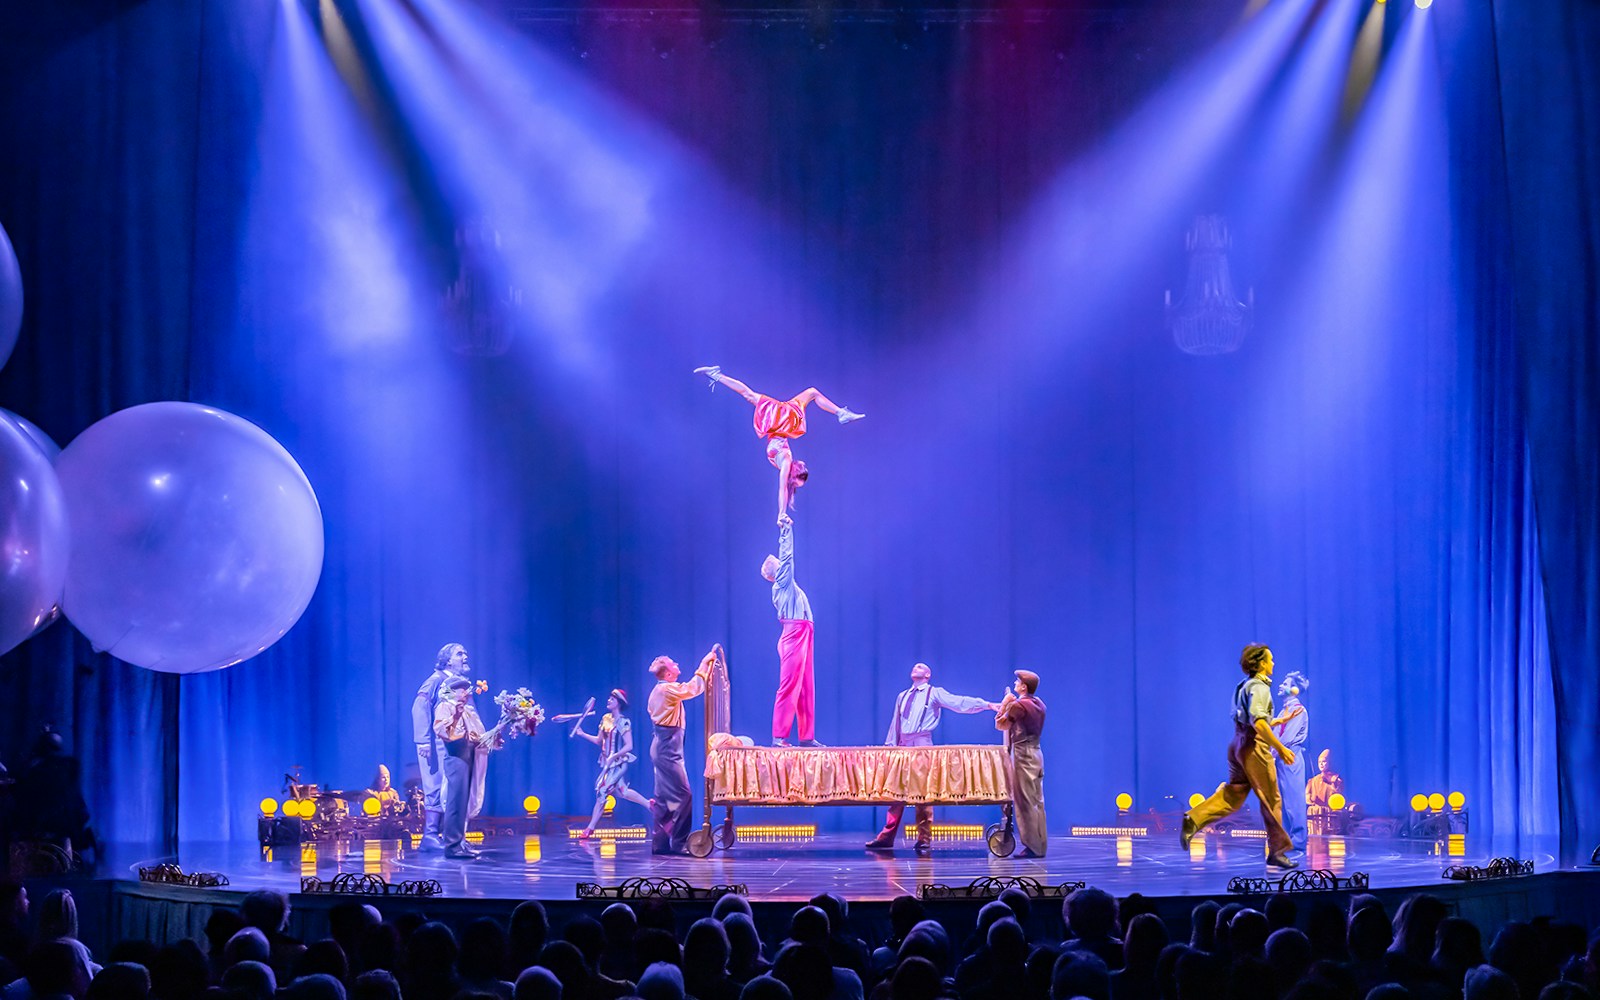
<point>940,775</point>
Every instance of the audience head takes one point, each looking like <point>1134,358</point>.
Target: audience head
<point>706,948</point>
<point>486,950</point>
<point>432,952</point>
<point>538,983</point>
<point>988,914</point>
<point>1281,911</point>
<point>530,928</point>
<point>656,945</point>
<point>661,981</point>
<point>1167,968</point>
<point>318,987</point>
<point>379,984</point>
<point>1199,975</point>
<point>927,940</point>
<point>905,912</point>
<point>1289,956</point>
<point>324,957</point>
<point>348,920</point>
<point>13,903</point>
<point>1038,973</point>
<point>1370,934</point>
<point>836,909</point>
<point>56,967</point>
<point>1080,974</point>
<point>254,978</point>
<point>1008,945</point>
<point>220,927</point>
<point>379,948</point>
<point>809,925</point>
<point>732,903</point>
<point>744,944</point>
<point>765,988</point>
<point>126,981</point>
<point>267,909</point>
<point>58,916</point>
<point>1020,902</point>
<point>248,945</point>
<point>1247,933</point>
<point>1146,936</point>
<point>179,970</point>
<point>1326,931</point>
<point>1091,914</point>
<point>565,962</point>
<point>620,923</point>
<point>1485,982</point>
<point>805,969</point>
<point>1388,991</point>
<point>586,934</point>
<point>658,914</point>
<point>1203,926</point>
<point>916,979</point>
<point>1416,924</point>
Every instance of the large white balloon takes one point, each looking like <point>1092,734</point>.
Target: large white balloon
<point>45,442</point>
<point>33,537</point>
<point>198,539</point>
<point>10,298</point>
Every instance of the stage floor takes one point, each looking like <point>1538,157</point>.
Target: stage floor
<point>550,866</point>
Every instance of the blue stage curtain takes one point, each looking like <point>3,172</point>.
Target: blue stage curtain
<point>1106,511</point>
<point>1548,74</point>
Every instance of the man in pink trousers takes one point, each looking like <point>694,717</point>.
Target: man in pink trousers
<point>797,697</point>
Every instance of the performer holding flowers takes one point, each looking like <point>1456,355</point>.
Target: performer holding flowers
<point>615,740</point>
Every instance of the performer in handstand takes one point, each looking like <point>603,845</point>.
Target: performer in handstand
<point>1294,727</point>
<point>1021,717</point>
<point>615,740</point>
<point>674,802</point>
<point>1250,766</point>
<point>448,665</point>
<point>797,645</point>
<point>780,421</point>
<point>916,716</point>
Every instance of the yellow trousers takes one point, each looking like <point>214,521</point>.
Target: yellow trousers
<point>1251,768</point>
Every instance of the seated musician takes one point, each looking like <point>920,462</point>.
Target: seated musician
<point>383,790</point>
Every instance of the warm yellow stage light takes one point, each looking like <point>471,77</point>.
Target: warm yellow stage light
<point>611,803</point>
<point>1419,803</point>
<point>1124,800</point>
<point>1424,4</point>
<point>1336,801</point>
<point>531,804</point>
<point>1436,801</point>
<point>1196,799</point>
<point>269,807</point>
<point>372,806</point>
<point>1457,800</point>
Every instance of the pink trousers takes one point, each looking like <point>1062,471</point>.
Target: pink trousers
<point>797,695</point>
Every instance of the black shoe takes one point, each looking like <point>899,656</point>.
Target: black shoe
<point>923,848</point>
<point>1188,831</point>
<point>812,744</point>
<point>1282,861</point>
<point>430,843</point>
<point>460,855</point>
<point>779,741</point>
<point>881,843</point>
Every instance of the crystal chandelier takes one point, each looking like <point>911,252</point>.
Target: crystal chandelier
<point>480,306</point>
<point>1209,318</point>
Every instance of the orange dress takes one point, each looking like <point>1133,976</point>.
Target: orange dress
<point>776,418</point>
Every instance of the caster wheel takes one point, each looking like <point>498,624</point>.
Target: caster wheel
<point>700,844</point>
<point>1001,841</point>
<point>725,837</point>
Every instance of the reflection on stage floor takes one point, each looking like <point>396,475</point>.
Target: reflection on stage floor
<point>776,868</point>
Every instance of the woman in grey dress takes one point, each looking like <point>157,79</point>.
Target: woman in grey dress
<point>615,740</point>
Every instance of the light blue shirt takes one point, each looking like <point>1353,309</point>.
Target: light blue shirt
<point>918,708</point>
<point>1252,700</point>
<point>787,596</point>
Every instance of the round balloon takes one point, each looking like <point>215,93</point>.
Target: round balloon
<point>34,545</point>
<point>199,542</point>
<point>44,441</point>
<point>10,298</point>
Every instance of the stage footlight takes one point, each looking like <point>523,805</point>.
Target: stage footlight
<point>1336,802</point>
<point>1457,801</point>
<point>1124,801</point>
<point>269,807</point>
<point>1419,803</point>
<point>1436,801</point>
<point>1424,4</point>
<point>611,804</point>
<point>1196,799</point>
<point>530,805</point>
<point>372,806</point>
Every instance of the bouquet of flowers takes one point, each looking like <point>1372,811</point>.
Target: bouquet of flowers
<point>519,713</point>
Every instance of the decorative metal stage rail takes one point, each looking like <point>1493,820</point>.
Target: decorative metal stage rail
<point>1498,868</point>
<point>357,884</point>
<point>658,888</point>
<point>991,886</point>
<point>1307,880</point>
<point>170,874</point>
